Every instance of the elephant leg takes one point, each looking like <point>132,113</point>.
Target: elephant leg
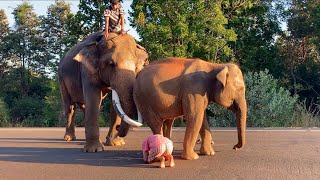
<point>155,123</point>
<point>70,125</point>
<point>69,110</point>
<point>156,126</point>
<point>111,139</point>
<point>82,107</point>
<point>167,128</point>
<point>93,98</point>
<point>239,108</point>
<point>206,138</point>
<point>194,112</point>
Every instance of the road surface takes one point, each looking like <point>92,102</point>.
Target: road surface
<point>40,153</point>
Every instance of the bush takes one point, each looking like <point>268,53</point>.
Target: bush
<point>269,105</point>
<point>26,107</point>
<point>33,121</point>
<point>306,116</point>
<point>4,114</point>
<point>53,110</point>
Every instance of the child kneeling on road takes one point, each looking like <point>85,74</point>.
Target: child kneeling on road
<point>158,148</point>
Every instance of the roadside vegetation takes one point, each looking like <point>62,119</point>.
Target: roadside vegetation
<point>275,42</point>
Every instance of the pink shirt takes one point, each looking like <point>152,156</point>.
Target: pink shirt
<point>155,141</point>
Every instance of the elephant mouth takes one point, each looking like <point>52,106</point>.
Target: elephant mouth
<point>117,107</point>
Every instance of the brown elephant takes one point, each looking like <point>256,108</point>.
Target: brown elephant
<point>87,73</point>
<point>176,86</point>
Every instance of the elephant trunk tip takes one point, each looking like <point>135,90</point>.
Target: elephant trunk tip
<point>238,146</point>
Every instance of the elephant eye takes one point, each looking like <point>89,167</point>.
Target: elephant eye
<point>112,64</point>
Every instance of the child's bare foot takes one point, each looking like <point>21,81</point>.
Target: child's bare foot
<point>171,163</point>
<point>170,159</point>
<point>162,162</point>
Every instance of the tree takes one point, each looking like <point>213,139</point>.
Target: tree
<point>256,25</point>
<point>4,114</point>
<point>182,28</point>
<point>300,48</point>
<point>27,43</point>
<point>55,31</point>
<point>4,25</point>
<point>4,31</point>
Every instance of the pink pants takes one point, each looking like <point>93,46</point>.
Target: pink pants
<point>162,150</point>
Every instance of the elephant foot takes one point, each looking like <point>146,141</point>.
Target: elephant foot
<point>69,137</point>
<point>115,142</point>
<point>207,151</point>
<point>190,156</point>
<point>237,146</point>
<point>93,146</point>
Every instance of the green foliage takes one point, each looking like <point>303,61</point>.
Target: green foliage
<point>301,17</point>
<point>55,31</point>
<point>52,111</point>
<point>23,104</point>
<point>27,44</point>
<point>104,117</point>
<point>4,25</point>
<point>4,31</point>
<point>227,30</point>
<point>4,114</point>
<point>182,28</point>
<point>256,28</point>
<point>300,49</point>
<point>28,106</point>
<point>306,115</point>
<point>307,75</point>
<point>220,117</point>
<point>269,105</point>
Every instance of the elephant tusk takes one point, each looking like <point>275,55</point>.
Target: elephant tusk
<point>139,117</point>
<point>122,114</point>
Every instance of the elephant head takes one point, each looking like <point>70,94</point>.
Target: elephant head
<point>114,63</point>
<point>230,93</point>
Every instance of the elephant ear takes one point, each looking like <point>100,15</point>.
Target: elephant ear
<point>88,57</point>
<point>142,57</point>
<point>222,76</point>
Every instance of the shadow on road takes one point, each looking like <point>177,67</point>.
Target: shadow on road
<point>123,158</point>
<point>52,155</point>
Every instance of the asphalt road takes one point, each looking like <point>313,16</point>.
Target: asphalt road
<point>40,153</point>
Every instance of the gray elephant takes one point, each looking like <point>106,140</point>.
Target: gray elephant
<point>176,86</point>
<point>87,73</point>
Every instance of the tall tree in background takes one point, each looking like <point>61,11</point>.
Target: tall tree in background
<point>182,28</point>
<point>31,46</point>
<point>257,26</point>
<point>24,84</point>
<point>302,53</point>
<point>55,31</point>
<point>26,23</point>
<point>4,31</point>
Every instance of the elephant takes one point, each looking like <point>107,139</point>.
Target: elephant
<point>173,87</point>
<point>88,72</point>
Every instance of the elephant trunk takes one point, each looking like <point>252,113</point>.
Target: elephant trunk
<point>240,109</point>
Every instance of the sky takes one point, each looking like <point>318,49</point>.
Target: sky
<point>41,7</point>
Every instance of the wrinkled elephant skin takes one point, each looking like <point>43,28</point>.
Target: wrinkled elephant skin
<point>175,86</point>
<point>87,73</point>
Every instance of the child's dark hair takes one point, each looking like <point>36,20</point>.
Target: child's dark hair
<point>114,1</point>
